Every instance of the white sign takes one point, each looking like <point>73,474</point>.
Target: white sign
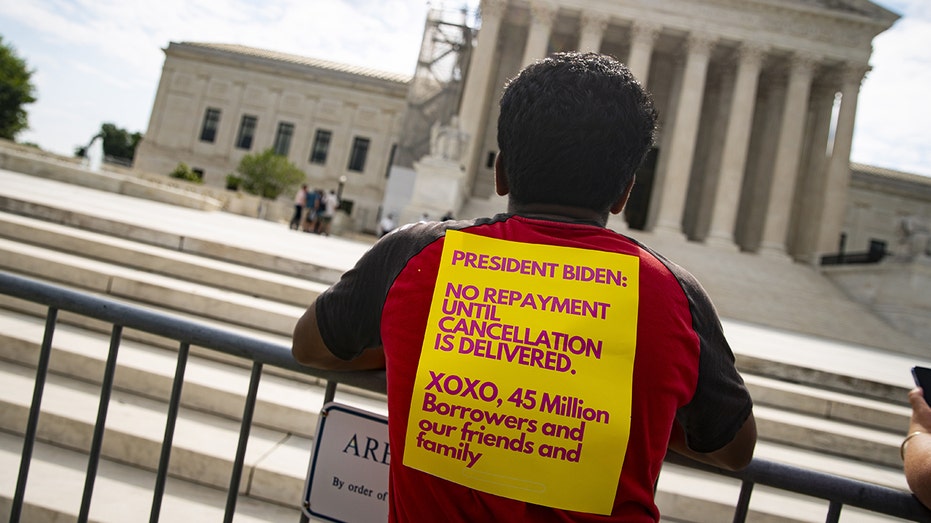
<point>347,479</point>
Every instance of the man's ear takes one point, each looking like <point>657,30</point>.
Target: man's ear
<point>501,177</point>
<point>622,201</point>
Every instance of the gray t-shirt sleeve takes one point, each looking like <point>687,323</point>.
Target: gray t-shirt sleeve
<point>349,312</point>
<point>721,403</point>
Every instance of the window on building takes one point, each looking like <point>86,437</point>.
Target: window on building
<point>394,151</point>
<point>490,160</point>
<point>283,138</point>
<point>208,132</point>
<point>321,146</point>
<point>360,150</point>
<point>246,132</point>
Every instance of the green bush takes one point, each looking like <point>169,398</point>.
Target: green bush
<point>233,182</point>
<point>268,175</point>
<point>183,172</point>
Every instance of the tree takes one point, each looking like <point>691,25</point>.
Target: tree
<point>267,174</point>
<point>16,90</point>
<point>118,143</point>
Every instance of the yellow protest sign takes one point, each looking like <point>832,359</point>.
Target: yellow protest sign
<point>524,383</point>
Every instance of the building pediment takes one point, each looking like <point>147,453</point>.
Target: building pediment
<point>286,59</point>
<point>862,8</point>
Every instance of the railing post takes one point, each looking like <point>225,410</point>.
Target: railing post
<point>29,439</point>
<point>743,502</point>
<point>100,426</point>
<point>248,411</point>
<point>173,406</point>
<point>330,391</point>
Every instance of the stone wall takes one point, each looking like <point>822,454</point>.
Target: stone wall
<point>897,291</point>
<point>155,187</point>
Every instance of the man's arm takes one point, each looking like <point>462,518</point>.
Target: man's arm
<point>308,348</point>
<point>733,456</point>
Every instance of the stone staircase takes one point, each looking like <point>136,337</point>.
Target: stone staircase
<point>801,422</point>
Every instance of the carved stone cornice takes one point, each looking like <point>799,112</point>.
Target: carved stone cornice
<point>594,22</point>
<point>803,63</point>
<point>645,32</point>
<point>751,54</point>
<point>699,43</point>
<point>543,12</point>
<point>854,73</point>
<point>493,8</point>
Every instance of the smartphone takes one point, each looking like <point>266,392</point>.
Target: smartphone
<point>922,377</point>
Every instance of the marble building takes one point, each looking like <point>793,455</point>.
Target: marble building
<point>216,103</point>
<point>757,100</point>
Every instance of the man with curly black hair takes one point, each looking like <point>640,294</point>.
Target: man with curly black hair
<point>539,365</point>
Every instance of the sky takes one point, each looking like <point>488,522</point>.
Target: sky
<point>99,61</point>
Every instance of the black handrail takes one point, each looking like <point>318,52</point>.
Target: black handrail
<point>837,490</point>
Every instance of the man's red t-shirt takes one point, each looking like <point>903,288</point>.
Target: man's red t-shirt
<point>683,368</point>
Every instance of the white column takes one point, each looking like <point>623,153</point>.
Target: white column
<point>838,177</point>
<point>474,105</point>
<point>813,172</point>
<point>542,15</point>
<point>788,155</point>
<point>681,148</point>
<point>706,164</point>
<point>736,144</point>
<point>763,140</point>
<point>643,36</point>
<point>592,31</point>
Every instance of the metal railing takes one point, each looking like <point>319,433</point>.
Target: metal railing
<point>838,491</point>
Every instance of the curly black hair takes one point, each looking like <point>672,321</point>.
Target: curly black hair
<point>573,129</point>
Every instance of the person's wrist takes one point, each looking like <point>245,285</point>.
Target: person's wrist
<point>911,435</point>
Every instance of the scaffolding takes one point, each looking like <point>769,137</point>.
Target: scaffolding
<point>436,88</point>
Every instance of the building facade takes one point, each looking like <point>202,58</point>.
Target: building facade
<point>217,103</point>
<point>756,99</point>
<point>886,210</point>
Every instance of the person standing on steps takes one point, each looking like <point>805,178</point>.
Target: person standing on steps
<point>312,218</point>
<point>300,199</point>
<point>328,205</point>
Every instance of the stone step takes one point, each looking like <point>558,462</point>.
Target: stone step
<point>283,402</point>
<point>291,406</point>
<point>204,444</point>
<point>745,287</point>
<point>872,446</point>
<point>688,495</point>
<point>121,492</point>
<point>200,232</point>
<point>276,462</point>
<point>829,437</point>
<point>160,260</point>
<point>829,364</point>
<point>827,404</point>
<point>162,291</point>
<point>37,310</point>
<point>232,310</point>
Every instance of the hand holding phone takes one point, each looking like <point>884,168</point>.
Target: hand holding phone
<point>922,377</point>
